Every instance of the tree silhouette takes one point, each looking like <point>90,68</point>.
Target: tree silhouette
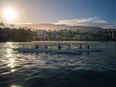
<point>2,24</point>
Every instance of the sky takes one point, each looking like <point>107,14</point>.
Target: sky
<point>101,13</point>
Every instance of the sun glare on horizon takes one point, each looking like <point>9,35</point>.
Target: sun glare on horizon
<point>9,14</point>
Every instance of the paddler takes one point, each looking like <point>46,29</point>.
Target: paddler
<point>46,46</point>
<point>59,46</point>
<point>36,47</point>
<point>68,46</point>
<point>80,46</point>
<point>88,46</point>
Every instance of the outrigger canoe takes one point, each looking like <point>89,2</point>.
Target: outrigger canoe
<point>30,50</point>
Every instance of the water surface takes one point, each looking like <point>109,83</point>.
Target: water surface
<point>95,69</point>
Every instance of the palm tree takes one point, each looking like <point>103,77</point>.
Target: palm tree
<point>2,25</point>
<point>12,26</point>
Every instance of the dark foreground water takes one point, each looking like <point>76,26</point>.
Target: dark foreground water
<point>96,69</point>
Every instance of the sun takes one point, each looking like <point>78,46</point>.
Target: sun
<point>9,14</point>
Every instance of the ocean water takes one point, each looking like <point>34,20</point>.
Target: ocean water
<point>94,69</point>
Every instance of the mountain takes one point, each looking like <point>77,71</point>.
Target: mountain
<point>60,27</point>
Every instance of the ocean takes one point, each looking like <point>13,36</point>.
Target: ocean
<point>86,69</point>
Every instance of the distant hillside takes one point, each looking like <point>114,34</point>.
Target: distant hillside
<point>61,27</point>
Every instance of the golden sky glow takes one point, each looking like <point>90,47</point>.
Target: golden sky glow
<point>68,12</point>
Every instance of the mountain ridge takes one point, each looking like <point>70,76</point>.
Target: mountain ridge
<point>59,27</point>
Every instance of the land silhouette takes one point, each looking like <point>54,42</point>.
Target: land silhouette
<point>51,32</point>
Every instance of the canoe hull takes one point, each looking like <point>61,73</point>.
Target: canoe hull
<point>29,50</point>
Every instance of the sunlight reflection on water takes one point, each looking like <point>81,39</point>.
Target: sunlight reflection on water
<point>10,58</point>
<point>15,86</point>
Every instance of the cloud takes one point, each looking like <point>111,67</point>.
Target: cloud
<point>93,22</point>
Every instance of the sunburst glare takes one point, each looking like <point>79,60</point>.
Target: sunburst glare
<point>9,14</point>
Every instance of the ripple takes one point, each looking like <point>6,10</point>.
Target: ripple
<point>57,70</point>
